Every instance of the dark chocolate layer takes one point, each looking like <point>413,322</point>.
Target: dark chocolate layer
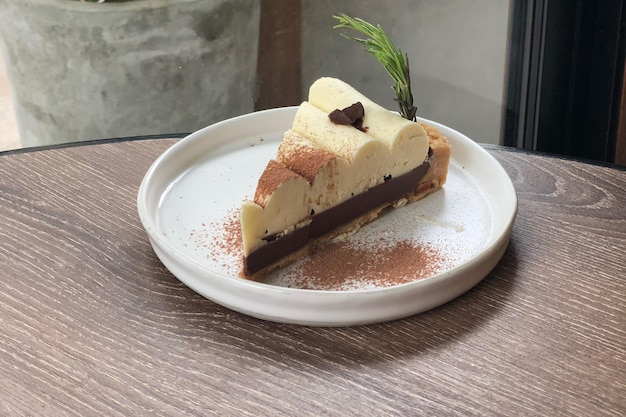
<point>325,222</point>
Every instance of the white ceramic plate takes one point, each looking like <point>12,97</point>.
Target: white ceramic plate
<point>189,199</point>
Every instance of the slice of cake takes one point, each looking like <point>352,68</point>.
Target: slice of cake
<point>343,161</point>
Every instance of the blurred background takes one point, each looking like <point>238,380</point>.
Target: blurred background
<point>535,74</point>
<point>9,136</point>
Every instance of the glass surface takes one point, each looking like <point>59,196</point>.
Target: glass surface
<point>457,51</point>
<point>82,71</point>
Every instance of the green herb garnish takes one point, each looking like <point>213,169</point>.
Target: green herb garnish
<point>396,63</point>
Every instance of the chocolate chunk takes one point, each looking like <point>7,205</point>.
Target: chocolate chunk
<point>359,125</point>
<point>338,117</point>
<point>351,115</point>
<point>354,112</point>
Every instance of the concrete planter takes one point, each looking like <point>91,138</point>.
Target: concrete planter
<point>84,71</point>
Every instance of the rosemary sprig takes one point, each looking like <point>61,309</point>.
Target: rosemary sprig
<point>396,64</point>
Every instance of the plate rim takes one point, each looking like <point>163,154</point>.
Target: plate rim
<point>493,248</point>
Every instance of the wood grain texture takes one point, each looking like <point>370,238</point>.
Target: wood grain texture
<point>93,324</point>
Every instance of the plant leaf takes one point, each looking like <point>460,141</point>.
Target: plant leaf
<point>393,60</point>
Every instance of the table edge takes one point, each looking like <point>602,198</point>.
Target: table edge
<point>487,146</point>
<point>93,142</point>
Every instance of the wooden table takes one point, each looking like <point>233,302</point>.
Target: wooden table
<point>93,324</point>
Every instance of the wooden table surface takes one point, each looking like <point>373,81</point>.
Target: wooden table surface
<point>93,324</point>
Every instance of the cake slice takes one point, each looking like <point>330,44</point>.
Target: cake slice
<point>343,161</point>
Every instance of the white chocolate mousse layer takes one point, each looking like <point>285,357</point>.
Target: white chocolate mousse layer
<point>281,201</point>
<point>406,140</point>
<point>320,164</point>
<point>368,158</point>
<point>328,174</point>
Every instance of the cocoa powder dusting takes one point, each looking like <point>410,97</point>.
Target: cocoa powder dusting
<point>226,243</point>
<point>302,157</point>
<point>309,164</point>
<point>347,265</point>
<point>272,177</point>
<point>341,266</point>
